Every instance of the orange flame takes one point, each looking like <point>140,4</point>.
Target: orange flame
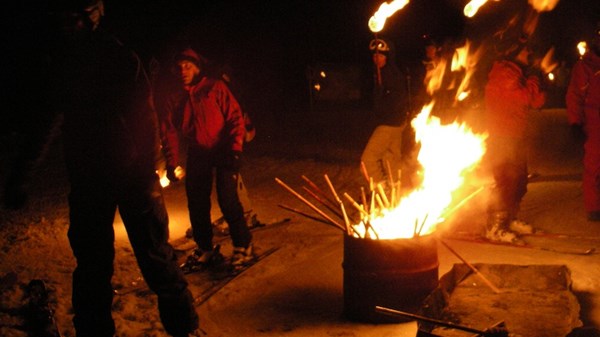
<point>447,153</point>
<point>582,48</point>
<point>377,21</point>
<point>472,7</point>
<point>548,64</point>
<point>543,5</point>
<point>465,60</point>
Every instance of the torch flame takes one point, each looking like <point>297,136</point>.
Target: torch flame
<point>472,7</point>
<point>543,5</point>
<point>582,48</point>
<point>377,21</point>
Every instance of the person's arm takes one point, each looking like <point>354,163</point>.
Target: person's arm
<point>576,95</point>
<point>169,134</point>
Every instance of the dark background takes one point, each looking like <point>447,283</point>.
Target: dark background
<point>270,44</point>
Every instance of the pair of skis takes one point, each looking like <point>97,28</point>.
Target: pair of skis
<point>523,243</point>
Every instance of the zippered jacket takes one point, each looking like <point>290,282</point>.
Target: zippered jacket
<point>207,116</point>
<point>509,95</point>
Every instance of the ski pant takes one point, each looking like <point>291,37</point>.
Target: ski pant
<point>384,146</point>
<point>591,171</point>
<point>93,203</point>
<point>198,183</point>
<point>508,160</point>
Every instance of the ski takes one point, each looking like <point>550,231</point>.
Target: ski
<point>524,244</point>
<point>220,228</point>
<point>550,235</point>
<point>222,277</point>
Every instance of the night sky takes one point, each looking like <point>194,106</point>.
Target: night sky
<point>271,43</point>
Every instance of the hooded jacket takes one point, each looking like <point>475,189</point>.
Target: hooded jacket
<point>208,117</point>
<point>509,95</point>
<point>583,93</point>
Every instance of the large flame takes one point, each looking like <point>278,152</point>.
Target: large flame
<point>377,21</point>
<point>447,153</point>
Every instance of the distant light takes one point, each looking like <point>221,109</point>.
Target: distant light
<point>551,77</point>
<point>582,48</point>
<point>323,74</point>
<point>317,87</point>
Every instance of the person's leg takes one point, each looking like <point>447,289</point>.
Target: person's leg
<point>91,236</point>
<point>198,184</point>
<point>145,217</point>
<point>374,153</point>
<point>231,207</point>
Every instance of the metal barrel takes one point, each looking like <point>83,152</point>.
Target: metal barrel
<point>397,274</point>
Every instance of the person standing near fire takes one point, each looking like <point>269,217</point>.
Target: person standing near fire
<point>209,118</point>
<point>583,112</point>
<point>390,111</point>
<point>110,145</point>
<point>511,92</point>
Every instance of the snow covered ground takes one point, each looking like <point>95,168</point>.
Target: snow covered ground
<point>297,291</point>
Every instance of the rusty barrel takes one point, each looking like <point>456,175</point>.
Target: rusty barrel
<point>397,274</point>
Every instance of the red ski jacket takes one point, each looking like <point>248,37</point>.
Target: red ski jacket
<point>208,117</point>
<point>508,97</point>
<point>583,94</point>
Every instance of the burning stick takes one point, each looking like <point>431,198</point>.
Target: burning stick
<point>383,196</point>
<point>392,184</point>
<point>363,196</point>
<point>356,205</point>
<point>422,224</point>
<point>302,213</point>
<point>483,278</point>
<point>464,201</point>
<point>314,208</point>
<point>363,169</point>
<point>337,198</point>
<point>333,210</point>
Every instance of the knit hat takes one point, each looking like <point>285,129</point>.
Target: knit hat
<point>188,54</point>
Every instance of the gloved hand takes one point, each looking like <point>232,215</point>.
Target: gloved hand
<point>233,160</point>
<point>578,133</point>
<point>172,175</point>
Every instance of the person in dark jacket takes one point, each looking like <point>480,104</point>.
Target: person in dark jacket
<point>390,109</point>
<point>583,112</point>
<point>210,120</point>
<point>110,136</point>
<point>511,92</point>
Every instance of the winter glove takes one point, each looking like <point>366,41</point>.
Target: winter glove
<point>175,174</point>
<point>233,160</point>
<point>578,133</point>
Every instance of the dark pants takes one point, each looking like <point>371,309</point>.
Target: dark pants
<point>199,182</point>
<point>508,159</point>
<point>140,202</point>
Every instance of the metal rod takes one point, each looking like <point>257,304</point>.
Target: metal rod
<point>313,207</point>
<point>318,190</point>
<point>393,312</point>
<point>337,198</point>
<point>317,198</point>
<point>475,270</point>
<point>303,214</point>
<point>464,201</point>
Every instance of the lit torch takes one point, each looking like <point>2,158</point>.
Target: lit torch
<point>377,21</point>
<point>582,48</point>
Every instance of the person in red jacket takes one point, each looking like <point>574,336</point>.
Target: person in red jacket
<point>583,112</point>
<point>209,118</point>
<point>509,95</point>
